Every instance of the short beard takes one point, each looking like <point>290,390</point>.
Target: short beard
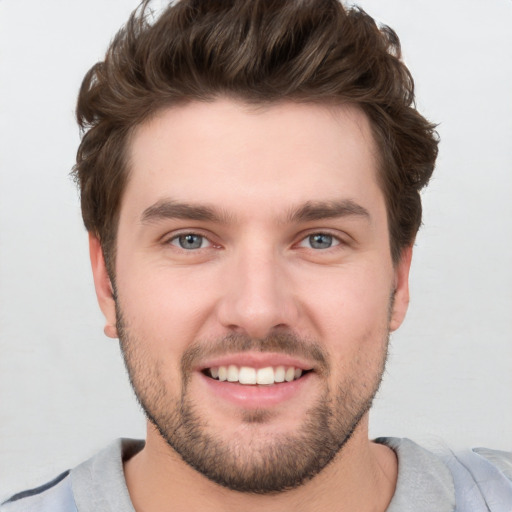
<point>246,464</point>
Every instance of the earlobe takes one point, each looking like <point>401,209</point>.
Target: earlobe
<point>401,291</point>
<point>103,285</point>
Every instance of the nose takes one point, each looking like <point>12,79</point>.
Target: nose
<point>258,295</point>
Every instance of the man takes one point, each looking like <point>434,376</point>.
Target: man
<point>250,176</point>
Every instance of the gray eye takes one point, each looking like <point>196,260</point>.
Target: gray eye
<point>189,241</point>
<point>320,241</point>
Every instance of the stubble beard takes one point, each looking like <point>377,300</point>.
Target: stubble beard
<point>250,465</point>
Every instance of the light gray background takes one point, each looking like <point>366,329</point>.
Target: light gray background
<point>63,391</point>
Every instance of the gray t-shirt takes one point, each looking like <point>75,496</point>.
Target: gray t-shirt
<point>479,480</point>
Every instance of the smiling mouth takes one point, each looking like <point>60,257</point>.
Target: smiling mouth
<point>250,376</point>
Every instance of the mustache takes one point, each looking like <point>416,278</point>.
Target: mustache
<point>280,342</point>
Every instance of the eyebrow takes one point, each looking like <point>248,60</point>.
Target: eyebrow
<point>169,209</point>
<point>319,210</point>
<point>309,211</point>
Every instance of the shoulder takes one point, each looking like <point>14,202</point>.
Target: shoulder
<point>96,484</point>
<point>54,496</point>
<point>99,483</point>
<point>471,480</point>
<point>482,479</point>
<point>502,460</point>
<point>424,482</point>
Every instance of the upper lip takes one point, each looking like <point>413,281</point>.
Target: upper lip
<point>256,360</point>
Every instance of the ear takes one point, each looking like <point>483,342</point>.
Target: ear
<point>401,291</point>
<point>104,289</point>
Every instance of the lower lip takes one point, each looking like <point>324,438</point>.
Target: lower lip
<point>256,396</point>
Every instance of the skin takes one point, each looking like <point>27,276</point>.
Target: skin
<point>256,274</point>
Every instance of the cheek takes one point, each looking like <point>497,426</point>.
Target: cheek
<point>358,346</point>
<point>351,313</point>
<point>350,297</point>
<point>166,304</point>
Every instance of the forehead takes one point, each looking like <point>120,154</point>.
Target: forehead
<point>238,155</point>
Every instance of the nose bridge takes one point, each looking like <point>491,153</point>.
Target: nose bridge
<point>257,296</point>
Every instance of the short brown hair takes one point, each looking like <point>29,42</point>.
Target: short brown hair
<point>259,51</point>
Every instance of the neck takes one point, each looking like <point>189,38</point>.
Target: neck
<point>361,477</point>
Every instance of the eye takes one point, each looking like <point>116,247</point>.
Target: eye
<point>319,241</point>
<point>190,241</point>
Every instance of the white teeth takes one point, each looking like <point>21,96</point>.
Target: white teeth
<point>265,375</point>
<point>232,373</point>
<point>250,376</point>
<point>247,375</point>
<point>223,373</point>
<point>279,374</point>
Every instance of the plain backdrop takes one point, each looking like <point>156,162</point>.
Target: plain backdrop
<point>63,389</point>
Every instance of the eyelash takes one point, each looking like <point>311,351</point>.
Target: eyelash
<point>176,238</point>
<point>333,239</point>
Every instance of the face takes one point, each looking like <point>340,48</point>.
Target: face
<point>255,289</point>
